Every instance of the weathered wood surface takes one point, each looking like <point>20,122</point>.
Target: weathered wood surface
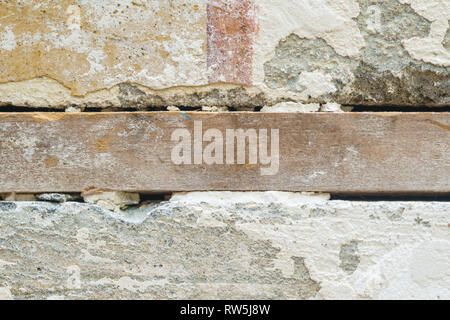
<point>344,153</point>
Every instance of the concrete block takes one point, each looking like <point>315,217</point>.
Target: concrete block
<point>125,54</point>
<point>227,245</point>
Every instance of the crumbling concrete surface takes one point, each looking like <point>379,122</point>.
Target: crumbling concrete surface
<point>227,246</point>
<point>236,53</point>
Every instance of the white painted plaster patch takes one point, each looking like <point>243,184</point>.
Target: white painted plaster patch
<point>316,84</point>
<point>231,198</point>
<point>331,107</point>
<point>430,49</point>
<point>330,20</point>
<point>292,107</point>
<point>5,294</point>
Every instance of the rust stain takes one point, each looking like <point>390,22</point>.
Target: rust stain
<point>231,30</point>
<point>51,162</point>
<point>102,144</point>
<point>438,124</point>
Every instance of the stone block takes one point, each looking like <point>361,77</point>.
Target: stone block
<point>241,54</point>
<point>226,245</point>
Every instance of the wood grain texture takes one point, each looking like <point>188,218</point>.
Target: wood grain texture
<point>339,153</point>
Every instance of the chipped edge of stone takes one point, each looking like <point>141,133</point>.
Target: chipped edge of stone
<point>111,200</point>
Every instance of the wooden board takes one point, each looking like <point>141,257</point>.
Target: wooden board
<point>338,153</point>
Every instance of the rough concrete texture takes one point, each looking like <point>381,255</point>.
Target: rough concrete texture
<point>226,245</point>
<point>242,54</point>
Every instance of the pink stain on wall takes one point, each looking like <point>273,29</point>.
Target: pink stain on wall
<point>232,30</point>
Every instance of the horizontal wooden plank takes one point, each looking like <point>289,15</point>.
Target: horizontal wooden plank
<point>339,153</point>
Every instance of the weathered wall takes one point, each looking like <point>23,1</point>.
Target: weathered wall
<point>247,53</point>
<point>227,245</point>
<point>270,54</point>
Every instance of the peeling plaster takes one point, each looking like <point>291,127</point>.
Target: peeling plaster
<point>87,53</point>
<point>431,49</point>
<point>228,245</point>
<point>329,20</point>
